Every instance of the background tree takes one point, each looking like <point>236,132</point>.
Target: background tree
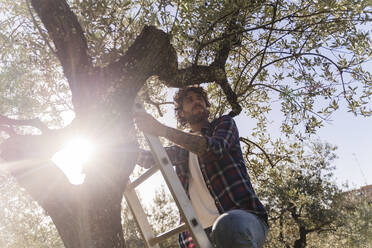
<point>356,227</point>
<point>306,207</point>
<point>93,57</point>
<point>164,216</point>
<point>300,194</point>
<point>22,222</point>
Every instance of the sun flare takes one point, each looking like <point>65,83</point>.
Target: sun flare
<point>71,158</point>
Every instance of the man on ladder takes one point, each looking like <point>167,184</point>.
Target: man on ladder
<point>211,168</point>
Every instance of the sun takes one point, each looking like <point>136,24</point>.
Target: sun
<point>71,158</point>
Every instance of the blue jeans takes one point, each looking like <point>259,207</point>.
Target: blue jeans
<point>239,229</point>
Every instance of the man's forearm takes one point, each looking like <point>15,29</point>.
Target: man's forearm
<point>191,142</point>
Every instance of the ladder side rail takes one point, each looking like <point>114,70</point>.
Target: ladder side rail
<point>179,195</point>
<point>140,217</point>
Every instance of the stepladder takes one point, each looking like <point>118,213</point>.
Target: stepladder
<point>187,213</point>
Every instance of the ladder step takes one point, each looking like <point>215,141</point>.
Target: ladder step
<point>143,177</point>
<point>165,235</point>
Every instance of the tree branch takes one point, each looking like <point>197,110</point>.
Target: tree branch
<point>33,123</point>
<point>245,140</point>
<point>231,97</point>
<point>71,46</point>
<point>38,27</point>
<point>202,43</point>
<point>156,104</point>
<point>275,8</point>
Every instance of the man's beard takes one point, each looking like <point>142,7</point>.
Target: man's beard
<point>197,118</point>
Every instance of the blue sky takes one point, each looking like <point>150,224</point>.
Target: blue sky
<point>351,134</point>
<point>353,137</point>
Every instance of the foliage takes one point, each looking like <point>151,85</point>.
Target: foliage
<point>356,230</point>
<point>309,55</point>
<point>22,222</point>
<point>32,84</point>
<point>164,216</point>
<point>300,194</point>
<point>131,231</point>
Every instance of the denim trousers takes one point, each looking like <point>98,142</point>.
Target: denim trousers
<point>238,229</point>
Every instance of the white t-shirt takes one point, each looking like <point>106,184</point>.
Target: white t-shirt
<point>201,199</point>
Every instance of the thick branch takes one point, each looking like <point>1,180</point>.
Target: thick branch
<point>69,40</point>
<point>231,97</point>
<point>28,158</point>
<point>33,123</point>
<point>39,28</point>
<point>150,54</point>
<point>21,147</point>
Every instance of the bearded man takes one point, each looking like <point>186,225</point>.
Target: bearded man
<point>210,165</point>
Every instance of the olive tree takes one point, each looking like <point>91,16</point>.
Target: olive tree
<point>94,57</point>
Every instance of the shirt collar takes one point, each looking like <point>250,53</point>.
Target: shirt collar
<point>206,128</point>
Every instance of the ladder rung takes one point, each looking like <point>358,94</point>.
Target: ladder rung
<point>163,236</point>
<point>143,177</point>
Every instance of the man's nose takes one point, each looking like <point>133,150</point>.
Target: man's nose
<point>197,101</point>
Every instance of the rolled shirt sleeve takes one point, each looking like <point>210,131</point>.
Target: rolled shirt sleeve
<point>146,160</point>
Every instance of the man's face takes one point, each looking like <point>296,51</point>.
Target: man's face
<point>194,108</point>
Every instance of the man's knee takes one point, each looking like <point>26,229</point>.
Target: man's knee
<point>237,228</point>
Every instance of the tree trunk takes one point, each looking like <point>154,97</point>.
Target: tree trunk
<point>301,242</point>
<point>86,215</point>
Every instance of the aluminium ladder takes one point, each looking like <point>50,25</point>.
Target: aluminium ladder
<point>163,164</point>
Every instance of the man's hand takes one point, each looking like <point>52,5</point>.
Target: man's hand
<point>148,124</point>
<point>191,142</point>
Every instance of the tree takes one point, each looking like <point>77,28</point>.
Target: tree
<point>356,229</point>
<point>164,216</point>
<point>301,196</point>
<point>93,57</point>
<point>132,233</point>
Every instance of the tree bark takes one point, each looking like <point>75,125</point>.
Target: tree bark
<point>301,242</point>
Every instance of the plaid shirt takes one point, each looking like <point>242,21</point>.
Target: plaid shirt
<point>223,169</point>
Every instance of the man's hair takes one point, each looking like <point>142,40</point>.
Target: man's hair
<point>179,97</point>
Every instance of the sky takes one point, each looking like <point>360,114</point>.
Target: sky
<point>353,137</point>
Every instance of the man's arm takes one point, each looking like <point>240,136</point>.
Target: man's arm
<point>191,142</point>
